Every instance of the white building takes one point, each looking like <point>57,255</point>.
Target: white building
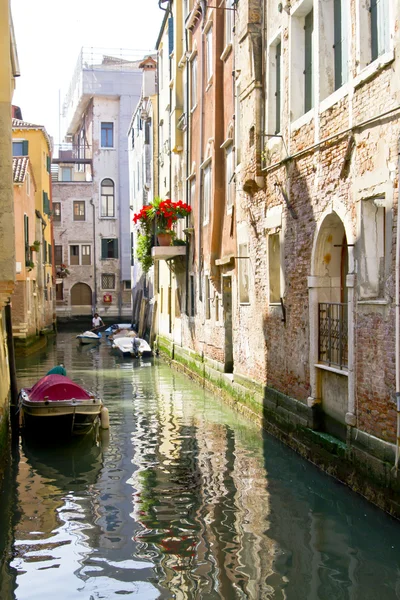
<point>91,186</point>
<point>143,175</point>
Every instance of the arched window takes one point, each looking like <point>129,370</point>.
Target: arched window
<point>107,198</point>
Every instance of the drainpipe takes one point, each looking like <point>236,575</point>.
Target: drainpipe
<point>200,203</point>
<point>188,168</point>
<point>94,301</point>
<point>397,345</point>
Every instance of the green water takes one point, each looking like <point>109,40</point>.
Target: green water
<point>183,498</point>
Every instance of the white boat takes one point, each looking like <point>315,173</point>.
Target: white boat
<point>132,346</point>
<point>110,330</point>
<point>88,337</point>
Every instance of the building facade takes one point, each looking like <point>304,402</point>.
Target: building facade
<point>291,140</point>
<point>91,187</point>
<point>9,70</point>
<point>33,141</point>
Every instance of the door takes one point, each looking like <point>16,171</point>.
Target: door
<point>227,303</point>
<point>81,295</point>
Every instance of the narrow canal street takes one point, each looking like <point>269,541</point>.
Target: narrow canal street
<point>182,498</point>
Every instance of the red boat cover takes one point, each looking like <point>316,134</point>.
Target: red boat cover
<point>56,387</point>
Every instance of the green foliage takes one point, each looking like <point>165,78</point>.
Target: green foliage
<point>178,242</point>
<point>143,251</point>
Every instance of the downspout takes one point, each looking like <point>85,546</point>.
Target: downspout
<point>397,344</point>
<point>188,170</point>
<point>200,203</point>
<point>94,300</point>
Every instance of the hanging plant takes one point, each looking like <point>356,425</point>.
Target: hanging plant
<point>157,218</point>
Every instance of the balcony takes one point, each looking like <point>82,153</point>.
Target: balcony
<point>167,252</point>
<point>72,164</point>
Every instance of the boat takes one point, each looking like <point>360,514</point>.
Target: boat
<point>132,346</point>
<point>110,330</point>
<point>60,405</point>
<point>89,337</point>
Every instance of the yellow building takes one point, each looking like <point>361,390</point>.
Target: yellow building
<point>9,70</point>
<point>25,313</point>
<point>33,141</point>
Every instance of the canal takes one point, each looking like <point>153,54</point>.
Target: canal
<point>182,498</point>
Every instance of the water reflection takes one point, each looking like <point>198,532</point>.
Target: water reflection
<point>184,499</point>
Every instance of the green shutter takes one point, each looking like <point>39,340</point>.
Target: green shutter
<point>104,248</point>
<point>48,162</point>
<point>46,204</point>
<point>116,248</point>
<point>49,253</point>
<point>25,148</point>
<point>44,251</point>
<point>278,57</point>
<point>308,63</point>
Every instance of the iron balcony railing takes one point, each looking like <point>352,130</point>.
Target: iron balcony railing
<point>333,334</point>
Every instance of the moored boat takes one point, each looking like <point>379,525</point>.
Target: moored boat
<point>132,346</point>
<point>113,328</point>
<point>89,337</point>
<point>60,406</point>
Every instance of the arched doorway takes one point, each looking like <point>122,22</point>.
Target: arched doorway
<point>81,299</point>
<point>329,332</point>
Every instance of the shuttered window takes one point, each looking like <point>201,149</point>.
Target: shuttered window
<point>109,248</point>
<point>308,63</point>
<point>49,254</point>
<point>340,42</point>
<point>48,164</point>
<point>58,255</point>
<point>380,33</point>
<point>170,35</point>
<point>46,203</point>
<point>26,239</point>
<point>20,148</point>
<point>278,59</point>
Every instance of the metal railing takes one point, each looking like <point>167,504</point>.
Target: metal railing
<point>333,334</point>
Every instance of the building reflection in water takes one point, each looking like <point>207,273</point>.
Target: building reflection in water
<point>201,499</point>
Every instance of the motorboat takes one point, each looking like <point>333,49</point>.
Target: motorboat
<point>89,337</point>
<point>132,346</point>
<point>113,328</point>
<point>58,404</point>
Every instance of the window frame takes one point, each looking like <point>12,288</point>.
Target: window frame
<point>107,130</point>
<point>115,248</point>
<point>207,191</point>
<point>107,197</point>
<point>112,275</point>
<point>84,252</point>
<point>78,203</point>
<point>209,54</point>
<point>57,213</point>
<point>70,255</point>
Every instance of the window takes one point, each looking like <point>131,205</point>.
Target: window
<point>60,291</point>
<point>229,19</point>
<point>308,61</point>
<point>160,69</point>
<point>243,273</point>
<point>107,198</point>
<point>79,211</point>
<point>46,203</point>
<point>57,211</point>
<point>48,164</point>
<point>380,33</point>
<point>192,307</point>
<point>275,87</point>
<point>66,174</point>
<point>208,298</point>
<point>209,54</point>
<point>28,256</point>
<point>229,175</point>
<point>372,248</point>
<point>127,285</point>
<point>20,148</point>
<point>49,254</point>
<point>28,184</point>
<point>109,248</point>
<point>206,193</point>
<point>274,268</point>
<point>108,281</point>
<point>192,192</point>
<point>193,83</point>
<point>74,255</point>
<point>107,135</point>
<point>340,42</point>
<point>302,63</point>
<point>133,138</point>
<point>58,255</point>
<point>86,254</point>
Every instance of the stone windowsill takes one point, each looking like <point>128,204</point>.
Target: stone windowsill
<point>332,369</point>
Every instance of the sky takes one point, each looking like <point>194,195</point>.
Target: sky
<point>50,35</point>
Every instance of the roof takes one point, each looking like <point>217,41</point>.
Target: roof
<point>18,124</point>
<point>20,168</point>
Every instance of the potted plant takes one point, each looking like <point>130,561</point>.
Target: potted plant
<point>62,271</point>
<point>35,247</point>
<point>30,265</point>
<point>157,218</point>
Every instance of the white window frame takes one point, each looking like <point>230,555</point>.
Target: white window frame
<point>229,177</point>
<point>272,121</point>
<point>297,61</point>
<point>84,253</point>
<point>106,216</point>
<point>229,22</point>
<point>193,82</point>
<point>209,54</point>
<point>243,273</point>
<point>207,190</point>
